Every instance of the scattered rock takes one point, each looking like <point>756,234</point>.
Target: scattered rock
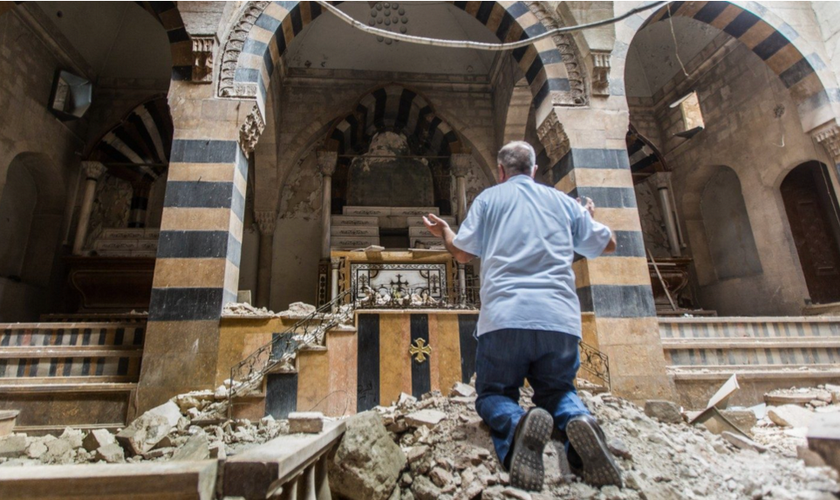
<point>196,448</point>
<point>111,453</point>
<point>790,416</point>
<point>306,422</point>
<point>664,411</point>
<point>424,418</point>
<point>367,462</point>
<point>97,438</point>
<point>58,452</point>
<point>73,437</point>
<point>462,390</point>
<point>13,445</point>
<point>145,431</point>
<point>811,458</point>
<point>742,442</point>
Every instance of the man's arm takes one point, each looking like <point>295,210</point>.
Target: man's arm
<point>438,227</point>
<point>611,246</point>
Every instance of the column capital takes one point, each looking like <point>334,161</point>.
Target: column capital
<point>829,136</point>
<point>553,137</point>
<point>327,161</point>
<point>266,221</point>
<point>460,163</point>
<point>662,180</point>
<point>93,169</point>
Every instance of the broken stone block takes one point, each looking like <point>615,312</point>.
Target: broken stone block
<point>195,399</point>
<point>306,422</point>
<point>424,418</point>
<point>424,489</point>
<point>742,419</point>
<point>824,438</point>
<point>36,449</point>
<point>73,437</point>
<point>462,390</point>
<point>441,477</point>
<point>664,411</point>
<point>406,400</point>
<point>790,416</point>
<point>367,463</point>
<point>13,446</point>
<point>98,438</point>
<point>742,442</point>
<point>149,428</point>
<point>197,447</point>
<point>58,452</point>
<point>217,451</point>
<point>111,453</point>
<point>811,458</point>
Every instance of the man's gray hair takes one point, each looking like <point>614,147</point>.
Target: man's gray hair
<point>517,157</point>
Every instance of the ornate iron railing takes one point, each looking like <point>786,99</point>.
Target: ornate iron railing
<point>309,331</point>
<point>595,362</point>
<point>401,295</point>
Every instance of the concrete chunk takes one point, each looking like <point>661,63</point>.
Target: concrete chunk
<point>197,447</point>
<point>462,390</point>
<point>149,428</point>
<point>824,438</point>
<point>742,442</point>
<point>111,453</point>
<point>664,411</point>
<point>12,446</point>
<point>98,438</point>
<point>790,416</point>
<point>424,418</point>
<point>306,422</point>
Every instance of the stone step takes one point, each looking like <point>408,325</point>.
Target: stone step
<point>751,343</point>
<point>826,371</point>
<point>775,356</point>
<point>130,234</point>
<point>426,242</point>
<point>353,231</point>
<point>353,220</point>
<point>770,327</point>
<point>418,221</point>
<point>67,334</point>
<point>422,232</point>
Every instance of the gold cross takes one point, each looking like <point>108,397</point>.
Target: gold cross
<point>420,350</point>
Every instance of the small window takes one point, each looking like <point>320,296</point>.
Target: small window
<point>692,115</point>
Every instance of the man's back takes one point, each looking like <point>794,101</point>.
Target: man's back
<point>526,235</point>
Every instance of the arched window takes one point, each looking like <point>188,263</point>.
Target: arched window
<point>812,212</point>
<point>727,225</point>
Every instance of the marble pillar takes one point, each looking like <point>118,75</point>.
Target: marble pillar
<point>266,222</point>
<point>460,165</point>
<point>326,164</point>
<point>93,171</point>
<point>662,180</point>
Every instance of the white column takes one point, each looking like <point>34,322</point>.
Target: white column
<point>460,166</point>
<point>266,222</point>
<point>93,171</point>
<point>334,263</point>
<point>462,283</point>
<point>326,163</point>
<point>663,184</point>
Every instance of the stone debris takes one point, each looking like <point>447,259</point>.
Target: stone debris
<point>244,309</point>
<point>790,416</point>
<point>12,445</point>
<point>424,418</point>
<point>664,411</point>
<point>453,458</point>
<point>462,390</point>
<point>306,422</point>
<point>146,431</point>
<point>298,309</point>
<point>98,438</point>
<point>110,453</point>
<point>367,463</point>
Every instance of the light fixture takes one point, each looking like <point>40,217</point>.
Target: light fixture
<point>692,115</point>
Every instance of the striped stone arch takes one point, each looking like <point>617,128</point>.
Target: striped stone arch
<point>140,143</point>
<point>265,29</point>
<point>179,40</point>
<point>777,43</point>
<point>397,109</point>
<point>645,158</point>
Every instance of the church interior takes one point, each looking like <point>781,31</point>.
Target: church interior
<point>162,163</point>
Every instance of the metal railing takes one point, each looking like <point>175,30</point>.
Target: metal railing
<point>595,362</point>
<point>309,331</point>
<point>400,296</point>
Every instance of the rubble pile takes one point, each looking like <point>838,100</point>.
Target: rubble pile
<point>190,426</point>
<point>448,454</point>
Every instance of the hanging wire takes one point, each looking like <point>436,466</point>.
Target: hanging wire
<point>465,44</point>
<point>674,36</point>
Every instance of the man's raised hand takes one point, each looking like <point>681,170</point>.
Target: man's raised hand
<point>435,225</point>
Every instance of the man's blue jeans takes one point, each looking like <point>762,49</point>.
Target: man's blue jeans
<point>549,360</point>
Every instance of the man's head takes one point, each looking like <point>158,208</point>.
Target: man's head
<point>516,158</point>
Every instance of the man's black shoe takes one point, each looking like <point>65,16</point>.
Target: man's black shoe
<point>526,463</point>
<point>589,442</point>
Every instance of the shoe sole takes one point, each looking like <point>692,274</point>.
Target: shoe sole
<point>526,466</point>
<point>599,468</point>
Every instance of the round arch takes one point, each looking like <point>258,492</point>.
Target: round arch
<point>261,35</point>
<point>779,45</point>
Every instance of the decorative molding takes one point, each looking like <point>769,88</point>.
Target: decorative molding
<point>829,137</point>
<point>233,48</point>
<point>600,72</point>
<point>553,137</point>
<point>460,164</point>
<point>93,169</point>
<point>250,131</point>
<point>203,48</point>
<point>568,50</point>
<point>266,221</point>
<point>327,161</point>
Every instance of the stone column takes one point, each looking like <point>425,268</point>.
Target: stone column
<point>93,171</point>
<point>589,158</point>
<point>334,263</point>
<point>462,283</point>
<point>139,202</point>
<point>460,165</point>
<point>266,222</point>
<point>326,163</point>
<point>663,186</point>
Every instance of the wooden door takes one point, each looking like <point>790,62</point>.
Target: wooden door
<point>811,210</point>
